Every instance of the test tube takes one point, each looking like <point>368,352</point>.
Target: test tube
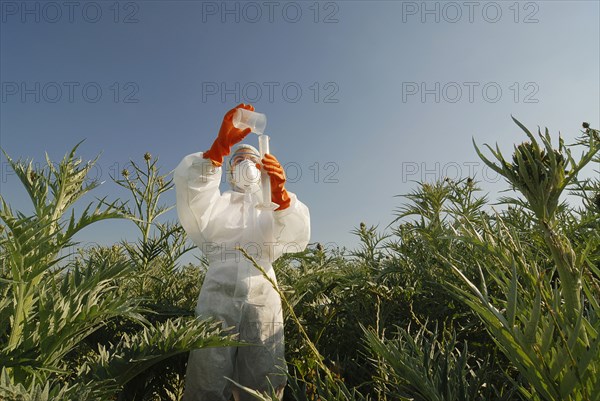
<point>263,148</point>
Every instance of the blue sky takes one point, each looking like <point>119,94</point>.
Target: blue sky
<point>362,97</point>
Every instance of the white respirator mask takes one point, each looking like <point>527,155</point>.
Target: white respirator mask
<point>246,177</point>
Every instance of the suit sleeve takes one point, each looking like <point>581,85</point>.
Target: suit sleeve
<point>292,226</point>
<point>197,192</point>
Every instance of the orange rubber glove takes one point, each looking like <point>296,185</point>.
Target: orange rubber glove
<point>228,136</point>
<point>277,177</point>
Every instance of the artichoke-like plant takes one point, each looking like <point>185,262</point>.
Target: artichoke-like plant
<point>51,308</point>
<point>547,328</point>
<point>541,174</point>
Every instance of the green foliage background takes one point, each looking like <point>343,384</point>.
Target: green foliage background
<point>457,299</point>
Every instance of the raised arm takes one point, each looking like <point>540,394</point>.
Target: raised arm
<point>292,218</point>
<point>197,179</point>
<point>197,190</point>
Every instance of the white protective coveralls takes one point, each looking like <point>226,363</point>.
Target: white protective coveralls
<point>234,291</point>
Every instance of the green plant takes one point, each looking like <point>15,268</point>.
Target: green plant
<point>52,305</point>
<point>427,366</point>
<point>546,324</point>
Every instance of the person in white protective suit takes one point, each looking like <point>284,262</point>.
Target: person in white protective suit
<point>234,291</point>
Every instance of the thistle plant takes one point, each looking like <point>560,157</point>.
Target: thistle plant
<point>157,239</point>
<point>160,245</point>
<point>546,326</point>
<point>541,174</point>
<point>31,244</point>
<point>52,306</point>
